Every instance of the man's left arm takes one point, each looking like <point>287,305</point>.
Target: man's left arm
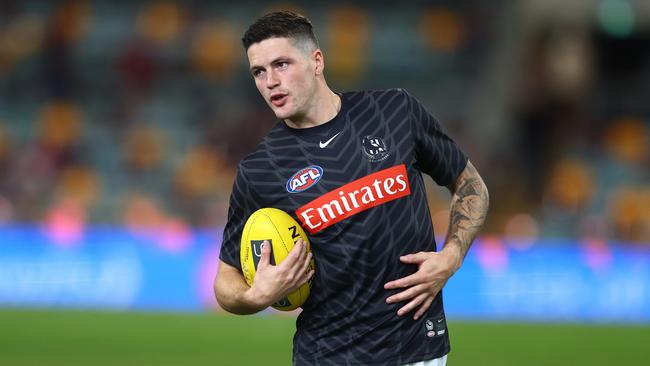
<point>469,205</point>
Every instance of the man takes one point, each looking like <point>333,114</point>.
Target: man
<point>376,296</point>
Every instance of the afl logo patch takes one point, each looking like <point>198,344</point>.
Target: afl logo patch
<point>374,148</point>
<point>304,178</point>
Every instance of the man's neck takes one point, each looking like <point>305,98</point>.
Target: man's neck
<point>323,110</point>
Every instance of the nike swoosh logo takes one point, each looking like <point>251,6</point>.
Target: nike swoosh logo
<point>324,144</point>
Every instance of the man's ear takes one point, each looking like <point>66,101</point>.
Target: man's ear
<point>317,56</point>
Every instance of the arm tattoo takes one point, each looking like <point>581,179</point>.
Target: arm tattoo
<point>469,206</point>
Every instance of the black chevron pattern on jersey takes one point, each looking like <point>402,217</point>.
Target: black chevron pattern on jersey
<point>346,320</point>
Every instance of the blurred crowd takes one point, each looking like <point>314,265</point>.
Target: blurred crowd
<point>136,113</point>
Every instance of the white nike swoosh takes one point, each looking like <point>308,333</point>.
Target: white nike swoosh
<point>324,144</point>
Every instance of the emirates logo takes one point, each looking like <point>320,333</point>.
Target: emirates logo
<point>357,196</point>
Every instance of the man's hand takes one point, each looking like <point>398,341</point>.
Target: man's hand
<point>434,269</point>
<point>272,283</point>
<point>469,205</point>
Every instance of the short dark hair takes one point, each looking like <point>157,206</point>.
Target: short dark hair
<point>280,24</point>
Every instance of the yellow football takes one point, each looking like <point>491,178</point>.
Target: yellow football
<point>282,231</point>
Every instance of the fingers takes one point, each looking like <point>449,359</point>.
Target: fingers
<point>302,264</point>
<point>412,304</point>
<point>423,308</point>
<point>407,281</point>
<point>305,270</point>
<point>420,288</point>
<point>415,278</point>
<point>304,277</point>
<point>305,264</point>
<point>295,255</point>
<point>298,251</point>
<point>302,273</point>
<point>273,282</point>
<point>415,258</point>
<point>406,294</point>
<point>303,252</point>
<point>265,258</point>
<point>419,295</point>
<point>296,265</point>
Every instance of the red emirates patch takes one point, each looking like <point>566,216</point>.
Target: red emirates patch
<point>357,196</point>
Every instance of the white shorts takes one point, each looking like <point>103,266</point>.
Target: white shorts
<point>442,361</point>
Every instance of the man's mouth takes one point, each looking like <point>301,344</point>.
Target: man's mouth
<point>279,100</point>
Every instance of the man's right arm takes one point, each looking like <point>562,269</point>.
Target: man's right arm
<point>271,284</point>
<point>232,292</point>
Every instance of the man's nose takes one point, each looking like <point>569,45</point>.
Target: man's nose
<point>272,79</point>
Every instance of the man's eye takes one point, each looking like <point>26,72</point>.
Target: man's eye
<point>257,73</point>
<point>283,65</point>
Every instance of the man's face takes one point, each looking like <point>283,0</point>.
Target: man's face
<point>285,76</point>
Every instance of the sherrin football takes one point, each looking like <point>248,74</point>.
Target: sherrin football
<point>282,231</point>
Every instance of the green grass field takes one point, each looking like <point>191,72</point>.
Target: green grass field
<point>35,337</point>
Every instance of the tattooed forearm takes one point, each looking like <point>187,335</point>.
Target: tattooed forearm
<point>469,206</point>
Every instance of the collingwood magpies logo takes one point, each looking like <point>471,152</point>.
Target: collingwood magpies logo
<point>374,148</point>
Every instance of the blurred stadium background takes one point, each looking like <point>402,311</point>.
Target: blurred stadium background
<point>121,125</point>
